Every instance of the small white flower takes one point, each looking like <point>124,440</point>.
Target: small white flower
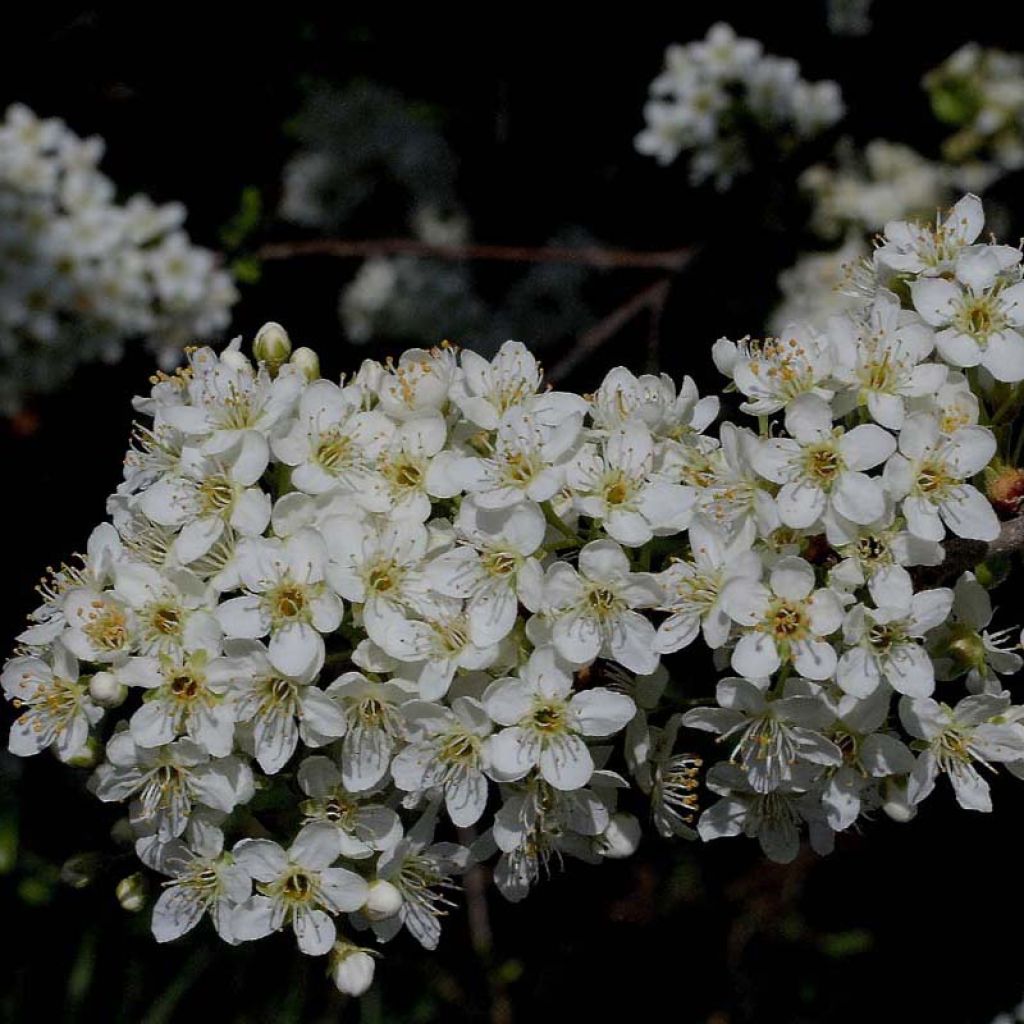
<point>614,486</point>
<point>885,642</point>
<point>282,709</point>
<point>546,722</point>
<point>821,467</point>
<point>286,597</point>
<point>446,749</point>
<point>929,473</point>
<point>591,611</point>
<point>55,707</point>
<point>297,888</point>
<point>955,738</point>
<point>785,621</point>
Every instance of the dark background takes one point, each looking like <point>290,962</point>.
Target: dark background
<point>914,922</point>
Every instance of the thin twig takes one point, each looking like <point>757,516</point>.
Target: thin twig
<point>651,298</point>
<point>962,555</point>
<point>591,256</point>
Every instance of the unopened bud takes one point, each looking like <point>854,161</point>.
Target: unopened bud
<point>351,968</point>
<point>896,801</point>
<point>967,649</point>
<point>621,838</point>
<point>131,893</point>
<point>272,345</point>
<point>107,690</point>
<point>383,901</point>
<point>1005,489</point>
<point>80,870</point>
<point>307,361</point>
<point>88,756</point>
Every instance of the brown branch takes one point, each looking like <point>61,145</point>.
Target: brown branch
<point>962,555</point>
<point>672,260</point>
<point>652,298</point>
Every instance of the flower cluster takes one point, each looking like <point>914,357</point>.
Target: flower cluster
<point>80,274</point>
<point>715,95</point>
<point>347,623</point>
<point>887,182</point>
<point>980,91</point>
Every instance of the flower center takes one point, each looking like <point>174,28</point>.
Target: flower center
<point>603,602</point>
<point>824,463</point>
<point>332,451</point>
<point>288,601</point>
<point>216,495</point>
<point>549,717</point>
<point>107,629</point>
<point>500,563</point>
<point>787,621</point>
<point>166,619</point>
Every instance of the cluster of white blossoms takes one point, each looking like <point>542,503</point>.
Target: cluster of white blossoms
<point>363,635</point>
<point>80,274</point>
<point>888,181</point>
<point>716,94</point>
<point>980,91</point>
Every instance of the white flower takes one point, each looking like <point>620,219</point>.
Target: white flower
<point>885,641</point>
<point>785,621</point>
<point>364,828</point>
<point>919,249</point>
<point>421,871</point>
<point>282,709</point>
<point>446,749</point>
<point>652,401</point>
<point>979,323</point>
<point>955,738</point>
<point>299,888</point>
<point>335,444</point>
<point>963,645</point>
<point>167,781</point>
<point>487,389</point>
<point>209,495</point>
<point>771,736</point>
<point>55,707</point>
<point>206,881</point>
<point>693,588</point>
<point>547,726</point>
<point>928,476</point>
<point>173,609</point>
<point>592,611</point>
<point>774,818</point>
<point>821,467</point>
<point>286,597</point>
<point>882,358</point>
<point>181,701</point>
<point>377,565</point>
<point>101,628</point>
<point>375,726</point>
<point>527,460</point>
<point>493,567</point>
<point>615,487</point>
<point>774,372</point>
<point>418,384</point>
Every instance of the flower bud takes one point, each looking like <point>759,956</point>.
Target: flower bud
<point>621,837</point>
<point>307,361</point>
<point>1005,489</point>
<point>107,690</point>
<point>88,756</point>
<point>351,968</point>
<point>967,649</point>
<point>272,345</point>
<point>383,901</point>
<point>131,893</point>
<point>80,870</point>
<point>896,803</point>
